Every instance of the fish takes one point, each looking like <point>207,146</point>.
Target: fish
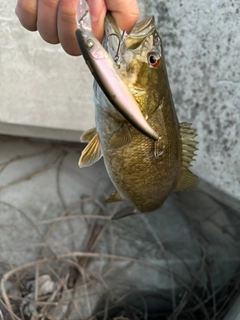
<point>144,172</point>
<point>100,63</point>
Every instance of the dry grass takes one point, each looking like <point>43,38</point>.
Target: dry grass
<point>86,283</point>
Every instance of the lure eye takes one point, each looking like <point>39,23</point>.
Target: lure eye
<point>154,59</point>
<point>90,44</point>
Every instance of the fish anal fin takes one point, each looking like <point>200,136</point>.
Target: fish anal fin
<point>91,153</point>
<point>88,135</point>
<point>121,138</point>
<point>115,196</point>
<point>186,181</point>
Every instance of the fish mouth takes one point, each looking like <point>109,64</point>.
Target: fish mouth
<point>139,33</point>
<point>144,27</point>
<point>142,30</point>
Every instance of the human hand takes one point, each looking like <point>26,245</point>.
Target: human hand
<point>55,19</point>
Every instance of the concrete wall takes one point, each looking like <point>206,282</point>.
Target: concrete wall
<point>42,89</point>
<point>46,93</point>
<point>202,47</point>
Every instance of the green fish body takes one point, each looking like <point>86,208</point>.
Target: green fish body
<point>144,172</point>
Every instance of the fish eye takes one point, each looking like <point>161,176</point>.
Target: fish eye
<point>153,59</point>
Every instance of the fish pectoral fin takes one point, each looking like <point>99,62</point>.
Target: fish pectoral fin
<point>187,179</point>
<point>88,135</point>
<point>115,196</point>
<point>121,138</point>
<point>92,152</point>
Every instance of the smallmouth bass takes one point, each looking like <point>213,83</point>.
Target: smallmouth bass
<point>143,171</point>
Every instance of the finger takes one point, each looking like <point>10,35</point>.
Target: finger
<point>26,11</point>
<point>47,20</point>
<point>125,12</point>
<point>66,24</point>
<point>98,11</point>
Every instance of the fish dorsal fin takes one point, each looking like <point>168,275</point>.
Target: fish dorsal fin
<point>88,135</point>
<point>187,179</point>
<point>92,152</point>
<point>121,139</point>
<point>115,196</point>
<point>189,143</point>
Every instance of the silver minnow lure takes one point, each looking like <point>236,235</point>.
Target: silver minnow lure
<point>105,73</point>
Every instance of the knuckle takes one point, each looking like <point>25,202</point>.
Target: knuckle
<point>49,38</point>
<point>71,50</point>
<point>66,12</point>
<point>48,34</point>
<point>50,4</point>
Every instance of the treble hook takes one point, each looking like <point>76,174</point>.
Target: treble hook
<point>81,18</point>
<point>116,57</point>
